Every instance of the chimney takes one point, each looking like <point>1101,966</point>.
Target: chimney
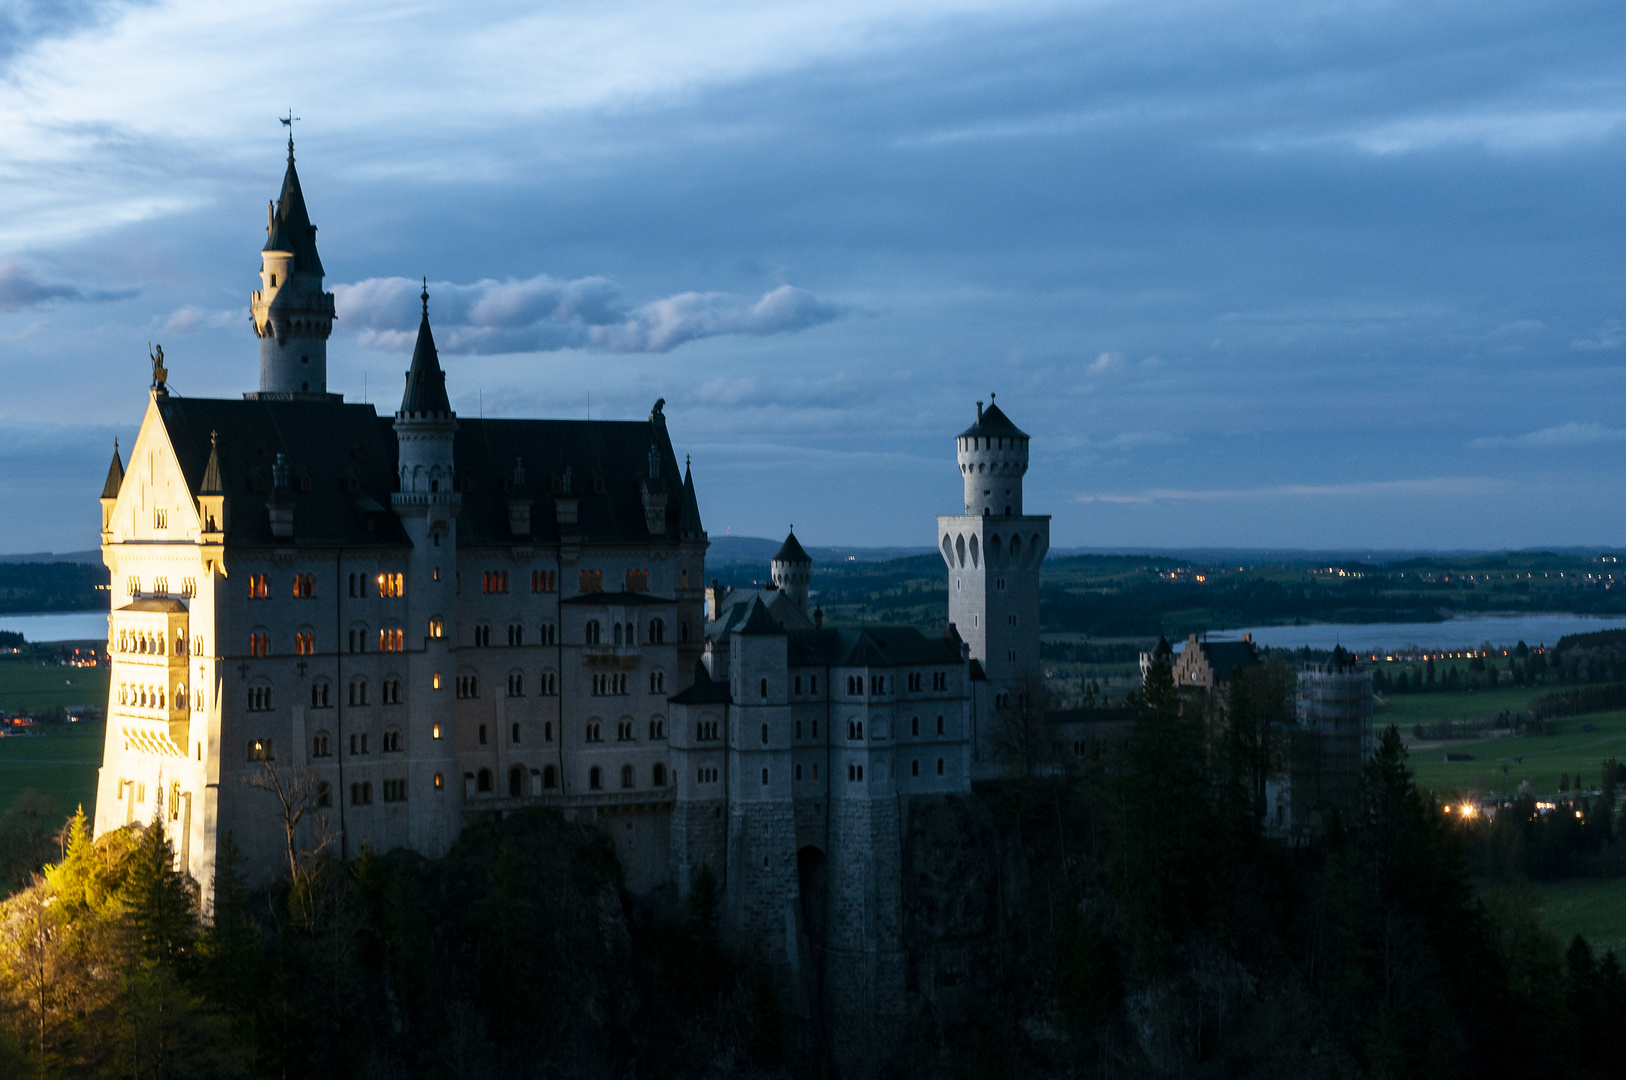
<point>818,618</point>
<point>714,601</point>
<point>979,412</point>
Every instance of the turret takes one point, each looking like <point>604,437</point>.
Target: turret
<point>993,456</point>
<point>792,570</point>
<point>292,315</point>
<point>425,422</point>
<point>110,492</point>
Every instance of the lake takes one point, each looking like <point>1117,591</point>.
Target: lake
<point>1464,633</point>
<point>59,626</point>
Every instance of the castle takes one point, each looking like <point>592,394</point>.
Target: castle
<point>410,621</point>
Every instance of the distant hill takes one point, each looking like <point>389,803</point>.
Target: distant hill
<point>756,551</point>
<point>89,558</point>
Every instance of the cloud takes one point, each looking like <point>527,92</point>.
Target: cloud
<point>191,318</point>
<point>1602,339</point>
<point>21,288</point>
<point>1106,363</point>
<point>543,314</point>
<point>1437,486</point>
<point>1573,433</point>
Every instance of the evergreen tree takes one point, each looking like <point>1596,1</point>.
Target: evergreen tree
<point>162,904</point>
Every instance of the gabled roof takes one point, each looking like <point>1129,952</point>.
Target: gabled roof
<point>115,475</point>
<point>791,552</point>
<point>992,423</point>
<point>758,623</point>
<point>164,605</point>
<point>873,646</point>
<point>425,382</point>
<point>1225,658</point>
<point>290,228</point>
<point>704,691</point>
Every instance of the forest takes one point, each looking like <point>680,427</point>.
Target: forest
<point>1125,917</point>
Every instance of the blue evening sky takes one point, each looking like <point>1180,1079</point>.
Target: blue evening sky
<point>1251,274</point>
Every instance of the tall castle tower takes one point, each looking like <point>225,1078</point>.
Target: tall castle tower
<point>427,506</point>
<point>993,551</point>
<point>292,315</point>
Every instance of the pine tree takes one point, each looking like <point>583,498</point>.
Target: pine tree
<point>161,902</point>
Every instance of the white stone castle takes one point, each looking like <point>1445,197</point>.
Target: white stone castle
<point>433,618</point>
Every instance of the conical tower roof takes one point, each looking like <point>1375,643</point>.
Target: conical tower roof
<point>992,423</point>
<point>689,522</point>
<point>290,227</point>
<point>211,474</point>
<point>426,382</point>
<point>115,475</point>
<point>791,551</point>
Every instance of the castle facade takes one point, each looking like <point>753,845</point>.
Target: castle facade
<point>399,623</point>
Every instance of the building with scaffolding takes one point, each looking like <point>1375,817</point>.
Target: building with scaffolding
<point>1333,740</point>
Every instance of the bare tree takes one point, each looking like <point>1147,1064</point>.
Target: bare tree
<point>1019,712</point>
<point>298,792</point>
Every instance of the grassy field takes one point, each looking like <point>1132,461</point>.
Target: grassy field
<point>1406,711</point>
<point>1544,759</point>
<point>61,762</point>
<point>1595,909</point>
<point>32,682</point>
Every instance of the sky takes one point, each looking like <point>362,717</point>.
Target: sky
<point>1264,274</point>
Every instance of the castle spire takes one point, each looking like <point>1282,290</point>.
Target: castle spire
<point>293,316</point>
<point>115,475</point>
<point>425,382</point>
<point>211,474</point>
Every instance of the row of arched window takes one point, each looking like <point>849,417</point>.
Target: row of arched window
<point>138,696</point>
<point>623,633</point>
<point>148,643</point>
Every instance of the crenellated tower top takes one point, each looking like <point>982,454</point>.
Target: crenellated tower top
<point>993,458</point>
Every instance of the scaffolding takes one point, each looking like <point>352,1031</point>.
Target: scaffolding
<point>1334,738</point>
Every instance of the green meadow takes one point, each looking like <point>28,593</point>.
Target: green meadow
<point>1595,908</point>
<point>61,762</point>
<point>30,681</point>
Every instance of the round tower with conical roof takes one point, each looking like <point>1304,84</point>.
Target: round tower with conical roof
<point>993,455</point>
<point>792,571</point>
<point>293,316</point>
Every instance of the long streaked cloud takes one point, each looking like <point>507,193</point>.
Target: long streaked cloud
<point>21,288</point>
<point>1432,486</point>
<point>545,314</point>
<point>1573,433</point>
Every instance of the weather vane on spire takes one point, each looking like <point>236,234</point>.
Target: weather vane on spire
<point>288,122</point>
<point>425,297</point>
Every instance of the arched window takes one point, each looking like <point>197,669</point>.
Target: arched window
<point>914,725</point>
<point>914,768</point>
<point>593,632</point>
<point>618,633</point>
<point>550,779</point>
<point>940,725</point>
<point>321,746</point>
<point>939,766</point>
<point>320,694</point>
<point>628,776</point>
<point>657,775</point>
<point>764,689</point>
<point>516,781</point>
<point>358,692</point>
<point>632,634</point>
<point>482,780</point>
<point>595,779</point>
<point>657,631</point>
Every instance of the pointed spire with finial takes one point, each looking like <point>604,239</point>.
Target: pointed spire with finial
<point>689,518</point>
<point>115,475</point>
<point>425,382</point>
<point>211,473</point>
<point>290,228</point>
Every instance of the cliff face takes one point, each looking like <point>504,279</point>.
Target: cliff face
<point>955,870</point>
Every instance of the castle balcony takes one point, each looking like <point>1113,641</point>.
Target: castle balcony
<point>617,656</point>
<point>145,735</point>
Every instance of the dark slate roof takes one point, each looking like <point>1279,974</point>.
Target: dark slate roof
<point>115,475</point>
<point>328,440</point>
<point>873,646</point>
<point>704,691</point>
<point>615,450</point>
<point>992,423</point>
<point>1162,650</point>
<point>425,382</point>
<point>290,228</point>
<point>162,604</point>
<point>617,599</point>
<point>791,552</point>
<point>759,623</point>
<point>689,520</point>
<point>1227,657</point>
<point>331,442</point>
